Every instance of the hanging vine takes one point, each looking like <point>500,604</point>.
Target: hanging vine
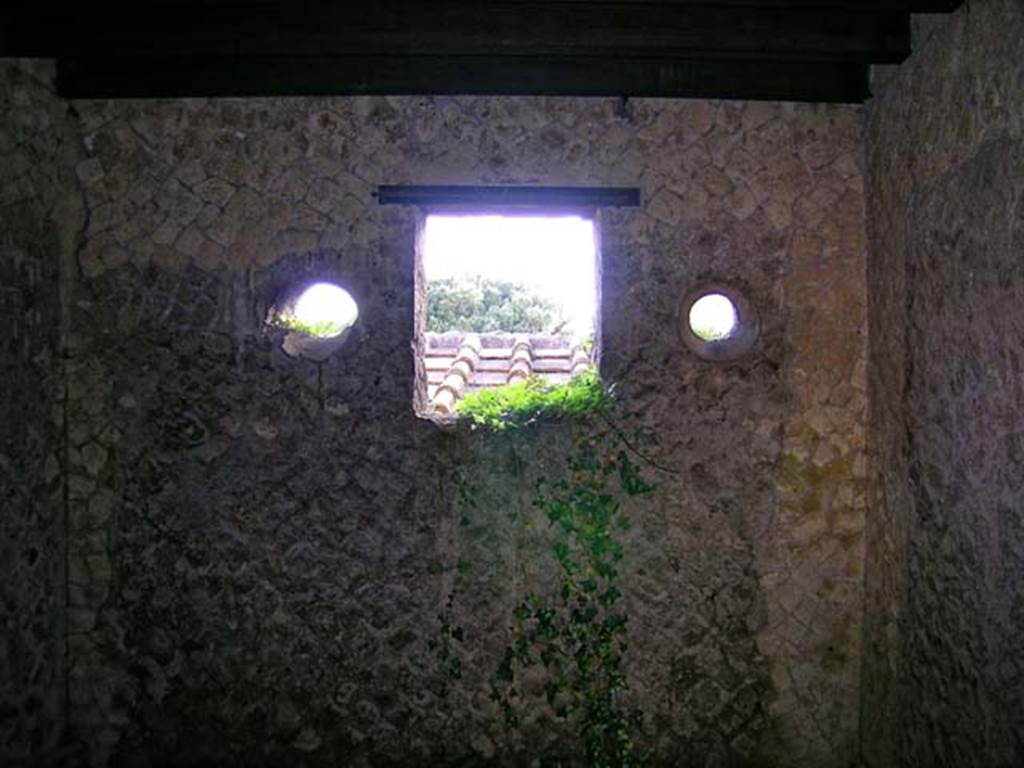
<point>576,631</point>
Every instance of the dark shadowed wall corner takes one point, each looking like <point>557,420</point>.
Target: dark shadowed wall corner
<point>943,677</point>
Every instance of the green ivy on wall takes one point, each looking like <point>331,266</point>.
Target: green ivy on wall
<point>574,633</point>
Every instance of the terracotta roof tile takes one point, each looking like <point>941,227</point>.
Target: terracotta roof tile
<point>458,363</point>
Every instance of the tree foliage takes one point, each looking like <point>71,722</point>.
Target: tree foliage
<point>484,305</point>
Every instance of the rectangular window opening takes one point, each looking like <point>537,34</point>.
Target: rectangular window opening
<point>503,295</point>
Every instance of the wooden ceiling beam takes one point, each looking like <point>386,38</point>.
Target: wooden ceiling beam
<point>471,28</point>
<point>53,11</point>
<point>895,6</point>
<point>802,50</point>
<point>150,77</point>
<point>899,6</point>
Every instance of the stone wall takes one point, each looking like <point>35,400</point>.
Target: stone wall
<point>260,545</point>
<point>36,225</point>
<point>945,604</point>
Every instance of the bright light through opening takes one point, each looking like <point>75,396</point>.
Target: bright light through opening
<point>553,256</point>
<point>713,317</point>
<point>325,310</point>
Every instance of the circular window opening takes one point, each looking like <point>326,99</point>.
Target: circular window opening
<point>323,311</point>
<point>713,317</point>
<point>318,319</point>
<point>717,322</point>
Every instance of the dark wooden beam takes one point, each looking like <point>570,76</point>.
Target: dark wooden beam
<point>505,195</point>
<point>157,76</point>
<point>805,50</point>
<point>906,6</point>
<point>472,28</point>
<point>52,11</point>
<point>901,6</point>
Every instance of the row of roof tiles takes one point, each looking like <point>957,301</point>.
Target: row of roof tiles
<point>458,363</point>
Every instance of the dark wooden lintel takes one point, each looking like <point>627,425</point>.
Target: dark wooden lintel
<point>510,195</point>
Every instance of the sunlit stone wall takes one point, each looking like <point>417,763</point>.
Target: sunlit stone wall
<point>264,543</point>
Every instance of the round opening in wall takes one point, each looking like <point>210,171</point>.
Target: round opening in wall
<point>717,322</point>
<point>317,316</point>
<point>323,311</point>
<point>713,317</point>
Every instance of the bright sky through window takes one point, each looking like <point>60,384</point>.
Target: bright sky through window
<point>325,305</point>
<point>553,254</point>
<point>713,317</point>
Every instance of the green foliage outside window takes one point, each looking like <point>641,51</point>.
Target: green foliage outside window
<point>325,329</point>
<point>534,399</point>
<point>483,305</point>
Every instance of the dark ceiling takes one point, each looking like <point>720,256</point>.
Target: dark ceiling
<point>801,50</point>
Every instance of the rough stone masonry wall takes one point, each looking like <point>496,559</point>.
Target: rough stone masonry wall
<point>35,184</point>
<point>260,542</point>
<point>944,662</point>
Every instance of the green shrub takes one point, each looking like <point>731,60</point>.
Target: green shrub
<point>534,399</point>
<point>323,330</point>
